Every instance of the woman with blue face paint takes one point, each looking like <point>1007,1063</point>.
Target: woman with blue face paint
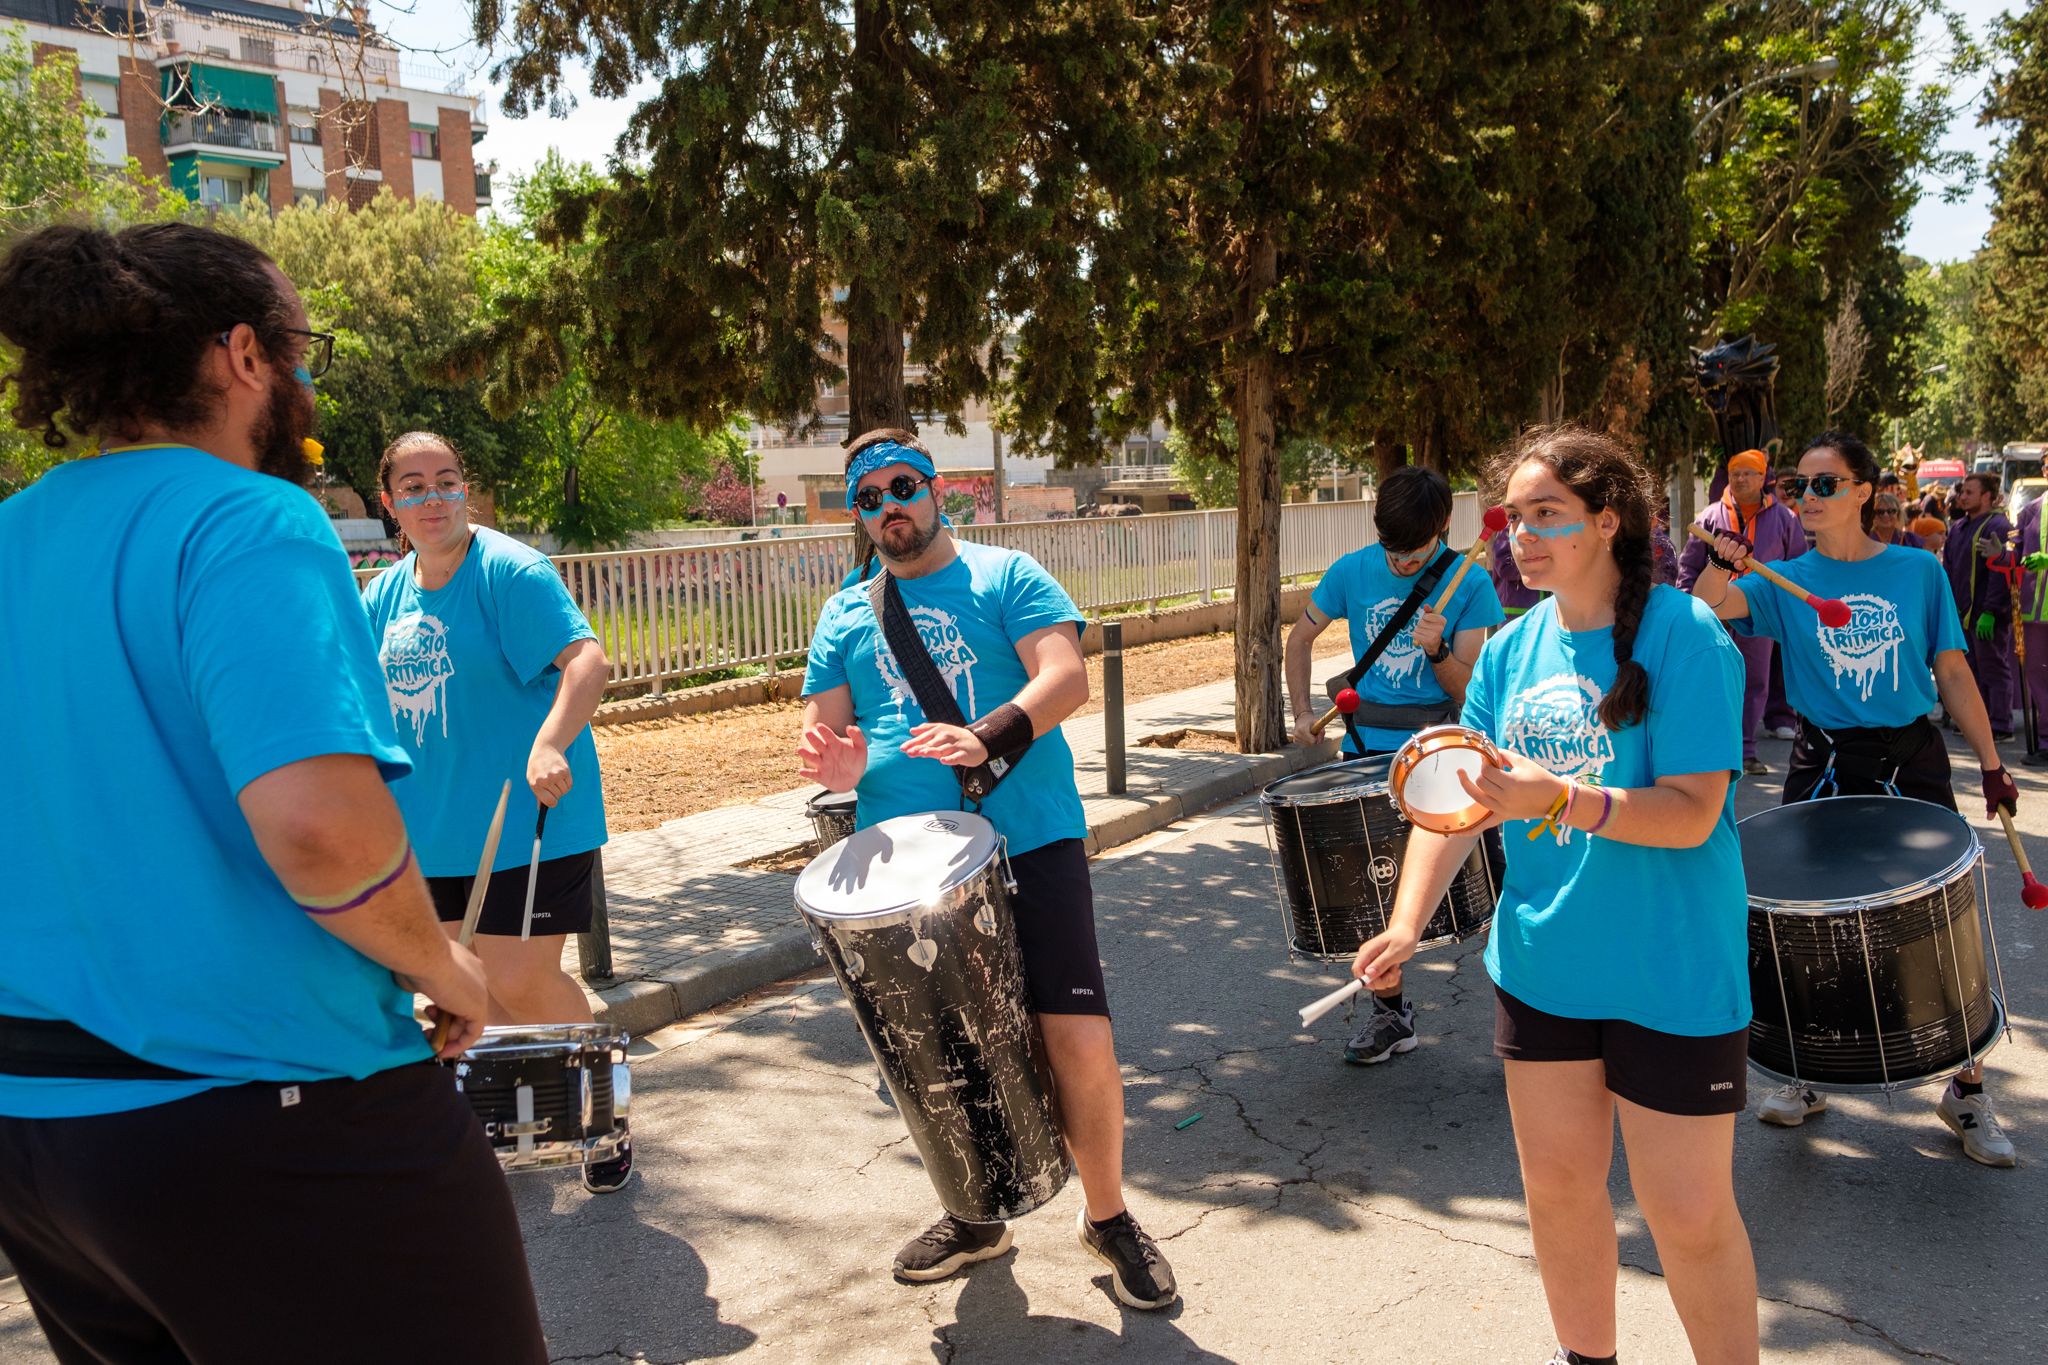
<point>1619,952</point>
<point>492,673</point>
<point>1863,693</point>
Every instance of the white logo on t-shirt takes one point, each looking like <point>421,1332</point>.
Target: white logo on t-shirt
<point>1402,661</point>
<point>416,671</point>
<point>940,633</point>
<point>1557,723</point>
<point>1867,646</point>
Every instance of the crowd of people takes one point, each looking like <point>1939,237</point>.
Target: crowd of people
<point>302,770</point>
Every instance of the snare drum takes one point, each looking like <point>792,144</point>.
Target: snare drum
<point>1866,944</point>
<point>913,915</point>
<point>1337,840</point>
<point>831,816</point>
<point>549,1095</point>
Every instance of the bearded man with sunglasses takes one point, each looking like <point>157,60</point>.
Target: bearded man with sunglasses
<point>1006,639</point>
<point>1749,512</point>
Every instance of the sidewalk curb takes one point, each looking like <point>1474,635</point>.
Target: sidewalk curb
<point>641,1006</point>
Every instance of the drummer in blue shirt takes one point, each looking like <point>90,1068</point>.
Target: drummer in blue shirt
<point>1863,693</point>
<point>1417,681</point>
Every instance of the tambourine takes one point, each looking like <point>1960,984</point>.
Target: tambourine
<point>1425,777</point>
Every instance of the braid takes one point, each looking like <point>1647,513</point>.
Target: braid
<point>1628,701</point>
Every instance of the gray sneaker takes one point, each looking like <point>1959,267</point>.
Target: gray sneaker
<point>949,1244</point>
<point>1791,1105</point>
<point>1970,1118</point>
<point>1385,1033</point>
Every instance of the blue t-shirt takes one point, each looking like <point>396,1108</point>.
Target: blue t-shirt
<point>1878,669</point>
<point>970,615</point>
<point>175,627</point>
<point>1597,929</point>
<point>1362,589</point>
<point>470,672</point>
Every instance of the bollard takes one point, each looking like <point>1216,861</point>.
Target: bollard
<point>1113,704</point>
<point>594,949</point>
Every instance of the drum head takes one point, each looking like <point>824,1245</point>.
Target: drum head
<point>1426,774</point>
<point>896,864</point>
<point>1850,848</point>
<point>1331,782</point>
<point>840,803</point>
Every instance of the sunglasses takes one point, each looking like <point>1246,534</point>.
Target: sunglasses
<point>1823,485</point>
<point>318,356</point>
<point>903,488</point>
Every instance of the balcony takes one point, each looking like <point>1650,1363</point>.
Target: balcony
<point>483,187</point>
<point>232,132</point>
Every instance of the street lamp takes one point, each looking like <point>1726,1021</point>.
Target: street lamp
<point>1819,69</point>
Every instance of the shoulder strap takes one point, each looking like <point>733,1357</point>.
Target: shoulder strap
<point>899,632</point>
<point>1424,585</point>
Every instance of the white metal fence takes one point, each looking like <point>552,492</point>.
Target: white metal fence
<point>669,613</point>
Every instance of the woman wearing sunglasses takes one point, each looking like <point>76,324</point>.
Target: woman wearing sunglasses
<point>1863,692</point>
<point>1888,524</point>
<point>493,674</point>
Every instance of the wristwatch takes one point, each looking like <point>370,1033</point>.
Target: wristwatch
<point>1441,652</point>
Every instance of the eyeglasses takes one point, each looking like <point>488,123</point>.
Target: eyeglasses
<point>319,353</point>
<point>1823,485</point>
<point>903,488</point>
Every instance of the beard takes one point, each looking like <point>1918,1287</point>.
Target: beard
<point>280,434</point>
<point>894,545</point>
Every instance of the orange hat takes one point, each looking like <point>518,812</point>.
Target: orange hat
<point>1755,461</point>
<point>1928,526</point>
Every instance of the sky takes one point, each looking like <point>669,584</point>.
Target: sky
<point>439,29</point>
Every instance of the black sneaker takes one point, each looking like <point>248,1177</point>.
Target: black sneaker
<point>1386,1032</point>
<point>1137,1268</point>
<point>610,1176</point>
<point>949,1244</point>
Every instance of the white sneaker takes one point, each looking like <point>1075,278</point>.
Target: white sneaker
<point>1791,1105</point>
<point>1784,732</point>
<point>1970,1118</point>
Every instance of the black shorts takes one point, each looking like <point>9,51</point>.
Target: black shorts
<point>1671,1073</point>
<point>1923,775</point>
<point>310,1222</point>
<point>1054,907</point>
<point>562,895</point>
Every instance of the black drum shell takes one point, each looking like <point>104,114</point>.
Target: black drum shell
<point>490,1081</point>
<point>1883,989</point>
<point>832,818</point>
<point>957,1044</point>
<point>1339,860</point>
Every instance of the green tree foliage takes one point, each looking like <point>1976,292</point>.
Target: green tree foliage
<point>1212,482</point>
<point>2013,293</point>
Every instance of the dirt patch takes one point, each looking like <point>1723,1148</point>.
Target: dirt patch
<point>1198,741</point>
<point>658,770</point>
<point>790,860</point>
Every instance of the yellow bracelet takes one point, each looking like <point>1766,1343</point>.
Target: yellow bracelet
<point>1549,821</point>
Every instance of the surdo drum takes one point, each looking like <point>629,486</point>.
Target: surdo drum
<point>1337,839</point>
<point>1866,944</point>
<point>832,817</point>
<point>549,1095</point>
<point>914,916</point>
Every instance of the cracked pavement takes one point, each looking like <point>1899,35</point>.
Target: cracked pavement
<point>1315,1212</point>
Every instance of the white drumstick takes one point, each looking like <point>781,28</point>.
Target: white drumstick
<point>1329,1002</point>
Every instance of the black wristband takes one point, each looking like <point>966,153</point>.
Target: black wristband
<point>1005,732</point>
<point>1714,558</point>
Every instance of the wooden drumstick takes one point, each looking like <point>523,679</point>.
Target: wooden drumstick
<point>1492,524</point>
<point>1347,702</point>
<point>1311,1013</point>
<point>2033,895</point>
<point>1833,614</point>
<point>472,912</point>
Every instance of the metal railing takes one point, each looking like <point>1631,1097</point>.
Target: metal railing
<point>221,130</point>
<point>674,612</point>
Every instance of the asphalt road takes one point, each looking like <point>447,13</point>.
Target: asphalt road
<point>1315,1212</point>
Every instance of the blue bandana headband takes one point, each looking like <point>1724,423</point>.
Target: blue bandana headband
<point>885,453</point>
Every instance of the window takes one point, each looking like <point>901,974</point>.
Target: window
<point>305,126</point>
<point>426,144</point>
<point>104,95</point>
<point>313,63</point>
<point>263,50</point>
<point>216,50</point>
<point>223,190</point>
<point>166,31</point>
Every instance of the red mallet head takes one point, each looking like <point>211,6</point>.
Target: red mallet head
<point>1347,701</point>
<point>1496,521</point>
<point>1834,615</point>
<point>2032,894</point>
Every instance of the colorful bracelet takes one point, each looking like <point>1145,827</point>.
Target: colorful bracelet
<point>1550,817</point>
<point>1606,812</point>
<point>1563,831</point>
<point>361,895</point>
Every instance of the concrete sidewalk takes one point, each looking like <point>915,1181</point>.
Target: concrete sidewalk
<point>695,921</point>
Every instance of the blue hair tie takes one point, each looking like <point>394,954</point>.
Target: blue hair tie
<point>883,453</point>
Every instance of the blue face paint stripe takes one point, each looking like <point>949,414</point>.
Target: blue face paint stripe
<point>406,504</point>
<point>1551,532</point>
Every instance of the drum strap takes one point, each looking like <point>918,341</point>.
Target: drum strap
<point>1424,585</point>
<point>933,695</point>
<point>1863,754</point>
<point>59,1048</point>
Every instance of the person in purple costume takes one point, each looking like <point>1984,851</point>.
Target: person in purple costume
<point>1749,511</point>
<point>2033,552</point>
<point>1515,596</point>
<point>1983,595</point>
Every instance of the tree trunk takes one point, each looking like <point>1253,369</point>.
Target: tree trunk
<point>1388,454</point>
<point>1261,719</point>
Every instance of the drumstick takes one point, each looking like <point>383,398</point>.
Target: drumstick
<point>1495,521</point>
<point>533,876</point>
<point>1347,702</point>
<point>1311,1013</point>
<point>1833,614</point>
<point>2033,895</point>
<point>472,912</point>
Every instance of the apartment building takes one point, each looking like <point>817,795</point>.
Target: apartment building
<point>229,99</point>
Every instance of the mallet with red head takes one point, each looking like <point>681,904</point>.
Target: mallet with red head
<point>1833,614</point>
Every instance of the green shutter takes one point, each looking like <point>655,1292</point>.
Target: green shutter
<point>195,83</point>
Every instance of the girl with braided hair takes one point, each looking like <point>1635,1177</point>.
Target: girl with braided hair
<point>1619,952</point>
